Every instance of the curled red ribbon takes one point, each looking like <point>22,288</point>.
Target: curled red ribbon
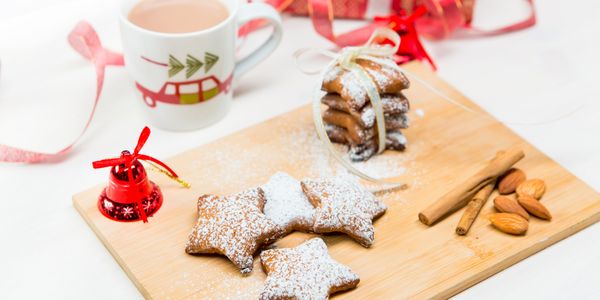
<point>126,160</point>
<point>86,42</point>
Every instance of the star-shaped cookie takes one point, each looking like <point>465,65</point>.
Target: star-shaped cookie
<point>234,226</point>
<point>387,80</point>
<point>286,204</point>
<point>304,272</point>
<point>392,104</point>
<point>344,206</point>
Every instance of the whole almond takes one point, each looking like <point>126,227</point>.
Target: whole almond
<point>509,223</point>
<point>510,180</point>
<point>534,207</point>
<point>533,187</point>
<point>509,205</point>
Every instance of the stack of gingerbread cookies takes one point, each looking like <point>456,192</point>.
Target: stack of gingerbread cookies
<point>350,117</point>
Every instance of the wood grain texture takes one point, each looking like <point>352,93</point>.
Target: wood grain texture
<point>407,260</point>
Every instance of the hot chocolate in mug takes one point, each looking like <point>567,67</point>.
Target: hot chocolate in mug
<point>185,79</point>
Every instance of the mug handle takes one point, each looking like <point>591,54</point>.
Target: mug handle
<point>252,11</point>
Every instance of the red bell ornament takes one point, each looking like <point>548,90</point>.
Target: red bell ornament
<point>116,201</point>
<point>130,195</point>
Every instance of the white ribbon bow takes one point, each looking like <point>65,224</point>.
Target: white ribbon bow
<point>346,59</point>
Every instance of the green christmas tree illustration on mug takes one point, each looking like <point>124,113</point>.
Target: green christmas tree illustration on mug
<point>192,64</point>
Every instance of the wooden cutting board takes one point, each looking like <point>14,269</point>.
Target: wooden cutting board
<point>408,260</point>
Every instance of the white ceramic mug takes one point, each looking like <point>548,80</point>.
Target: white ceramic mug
<point>184,79</point>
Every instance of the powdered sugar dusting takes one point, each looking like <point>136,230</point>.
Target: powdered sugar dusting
<point>286,204</point>
<point>304,272</point>
<point>303,144</point>
<point>331,74</point>
<point>380,166</point>
<point>231,167</point>
<point>394,121</point>
<point>358,153</point>
<point>382,80</point>
<point>394,73</point>
<point>215,284</point>
<point>353,90</point>
<point>368,117</point>
<point>397,137</point>
<point>344,206</point>
<point>233,226</point>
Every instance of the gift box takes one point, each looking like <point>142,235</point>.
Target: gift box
<point>368,9</point>
<point>442,18</point>
<point>351,9</point>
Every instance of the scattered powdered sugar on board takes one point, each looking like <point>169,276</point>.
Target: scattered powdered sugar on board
<point>233,168</point>
<point>420,112</point>
<point>304,145</point>
<point>214,285</point>
<point>303,154</point>
<point>382,166</point>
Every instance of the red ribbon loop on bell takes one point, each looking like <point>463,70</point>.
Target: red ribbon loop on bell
<point>127,160</point>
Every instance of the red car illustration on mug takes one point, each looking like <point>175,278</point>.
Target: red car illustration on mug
<point>186,92</point>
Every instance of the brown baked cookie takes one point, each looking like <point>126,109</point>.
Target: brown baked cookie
<point>286,204</point>
<point>337,134</point>
<point>394,141</point>
<point>234,226</point>
<point>344,206</point>
<point>356,133</point>
<point>358,153</point>
<point>394,138</point>
<point>347,121</point>
<point>343,82</point>
<point>391,104</point>
<point>304,272</point>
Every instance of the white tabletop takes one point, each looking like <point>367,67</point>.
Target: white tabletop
<point>47,250</point>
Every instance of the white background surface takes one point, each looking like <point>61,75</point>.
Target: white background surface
<point>46,249</point>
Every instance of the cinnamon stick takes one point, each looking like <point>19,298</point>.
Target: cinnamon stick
<point>473,208</point>
<point>461,194</point>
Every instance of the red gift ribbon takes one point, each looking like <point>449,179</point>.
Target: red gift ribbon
<point>126,160</point>
<point>86,42</point>
<point>440,19</point>
<point>322,17</point>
